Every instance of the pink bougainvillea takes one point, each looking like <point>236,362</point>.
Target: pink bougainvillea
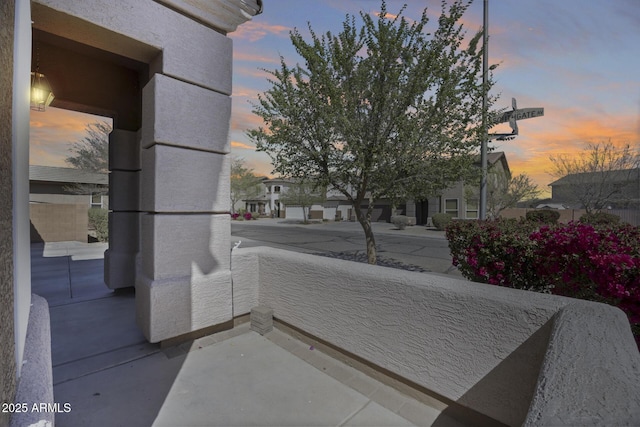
<point>594,262</point>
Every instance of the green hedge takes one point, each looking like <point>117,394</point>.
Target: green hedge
<point>600,218</point>
<point>99,220</point>
<point>441,220</point>
<point>400,221</point>
<point>546,216</point>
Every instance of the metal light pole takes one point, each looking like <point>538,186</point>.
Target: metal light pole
<point>485,128</point>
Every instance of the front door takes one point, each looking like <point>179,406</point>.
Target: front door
<point>422,212</point>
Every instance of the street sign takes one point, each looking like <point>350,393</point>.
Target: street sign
<point>521,114</point>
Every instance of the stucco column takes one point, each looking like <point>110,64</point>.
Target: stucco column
<point>124,206</point>
<point>182,273</point>
<point>183,280</point>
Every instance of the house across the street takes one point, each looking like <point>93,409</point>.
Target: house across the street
<point>56,185</point>
<point>59,200</point>
<point>454,200</point>
<point>620,187</point>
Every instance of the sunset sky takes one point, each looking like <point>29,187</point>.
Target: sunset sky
<point>578,59</point>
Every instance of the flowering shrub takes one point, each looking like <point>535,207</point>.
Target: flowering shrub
<point>235,215</point>
<point>495,252</point>
<point>593,262</point>
<point>247,216</point>
<point>599,264</point>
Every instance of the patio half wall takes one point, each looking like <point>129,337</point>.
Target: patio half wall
<point>515,356</point>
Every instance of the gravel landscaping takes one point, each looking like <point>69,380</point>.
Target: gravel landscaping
<point>361,256</point>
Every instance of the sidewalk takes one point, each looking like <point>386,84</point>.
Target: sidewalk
<point>111,376</point>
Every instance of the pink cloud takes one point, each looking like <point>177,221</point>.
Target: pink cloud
<point>252,57</point>
<point>240,91</point>
<point>257,30</point>
<point>244,120</point>
<point>253,72</point>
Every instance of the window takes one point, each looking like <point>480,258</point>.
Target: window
<point>472,209</point>
<point>96,200</point>
<point>276,188</point>
<point>451,207</point>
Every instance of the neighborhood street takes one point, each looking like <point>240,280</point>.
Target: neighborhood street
<point>416,245</point>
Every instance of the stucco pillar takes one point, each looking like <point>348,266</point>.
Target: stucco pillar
<point>20,177</point>
<point>183,281</point>
<point>182,273</point>
<point>124,204</point>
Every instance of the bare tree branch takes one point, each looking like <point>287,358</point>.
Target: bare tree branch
<point>596,178</point>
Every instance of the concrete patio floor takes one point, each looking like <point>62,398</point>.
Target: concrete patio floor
<point>104,368</point>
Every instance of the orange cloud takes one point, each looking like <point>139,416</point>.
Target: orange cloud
<point>244,120</point>
<point>256,30</point>
<point>563,131</point>
<point>63,120</point>
<point>53,131</point>
<point>390,16</point>
<point>238,144</point>
<point>43,157</point>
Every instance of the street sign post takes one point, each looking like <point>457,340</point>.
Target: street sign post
<point>521,114</point>
<point>510,117</point>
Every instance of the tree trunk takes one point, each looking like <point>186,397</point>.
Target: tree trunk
<point>364,218</point>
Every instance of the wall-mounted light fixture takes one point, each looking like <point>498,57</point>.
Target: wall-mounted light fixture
<point>41,93</point>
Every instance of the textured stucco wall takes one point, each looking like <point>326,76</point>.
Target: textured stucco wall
<point>7,341</point>
<point>139,30</point>
<point>476,344</point>
<point>36,381</point>
<point>596,339</point>
<point>124,218</point>
<point>480,345</point>
<point>245,272</point>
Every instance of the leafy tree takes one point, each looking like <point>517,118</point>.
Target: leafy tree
<point>384,110</point>
<point>599,176</point>
<point>91,154</point>
<point>244,183</point>
<point>304,195</point>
